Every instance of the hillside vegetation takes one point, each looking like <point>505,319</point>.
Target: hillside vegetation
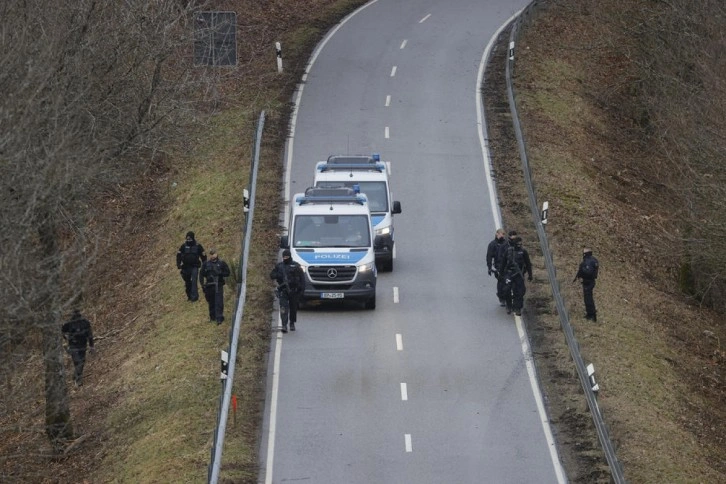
<point>128,146</point>
<point>620,105</point>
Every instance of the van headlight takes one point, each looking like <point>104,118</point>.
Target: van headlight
<point>384,231</point>
<point>366,267</point>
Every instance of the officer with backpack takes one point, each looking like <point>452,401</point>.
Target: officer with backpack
<point>213,273</point>
<point>290,287</point>
<point>587,273</point>
<point>504,292</point>
<point>189,259</point>
<point>516,264</point>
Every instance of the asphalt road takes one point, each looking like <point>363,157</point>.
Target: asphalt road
<point>434,385</point>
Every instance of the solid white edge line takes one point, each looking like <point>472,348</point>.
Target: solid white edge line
<point>286,188</point>
<point>403,44</point>
<point>273,410</point>
<point>399,342</point>
<point>424,19</point>
<point>407,439</point>
<point>527,352</point>
<point>481,120</point>
<point>395,294</point>
<point>388,100</point>
<point>404,392</point>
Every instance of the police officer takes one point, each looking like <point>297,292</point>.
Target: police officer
<point>517,265</point>
<point>587,273</point>
<point>77,332</point>
<point>189,259</point>
<point>290,287</point>
<point>213,273</point>
<point>504,291</point>
<point>492,253</point>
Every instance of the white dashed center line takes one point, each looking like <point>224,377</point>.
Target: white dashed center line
<point>387,133</point>
<point>399,342</point>
<point>407,438</point>
<point>388,100</point>
<point>424,19</point>
<point>388,169</point>
<point>395,294</point>
<point>404,392</point>
<point>393,71</point>
<point>403,44</point>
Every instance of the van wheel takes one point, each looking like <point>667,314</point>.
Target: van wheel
<point>371,303</point>
<point>388,265</point>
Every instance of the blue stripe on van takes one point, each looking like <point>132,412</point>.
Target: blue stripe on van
<point>315,258</point>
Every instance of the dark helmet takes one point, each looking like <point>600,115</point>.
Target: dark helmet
<point>190,235</point>
<point>286,253</point>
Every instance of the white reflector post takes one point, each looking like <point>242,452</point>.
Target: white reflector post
<point>591,374</point>
<point>545,209</point>
<point>246,200</point>
<point>278,50</point>
<point>225,365</point>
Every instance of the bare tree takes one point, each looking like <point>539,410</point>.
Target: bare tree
<point>674,81</point>
<point>90,89</point>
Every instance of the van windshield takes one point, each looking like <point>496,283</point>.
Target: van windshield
<point>374,190</point>
<point>331,231</point>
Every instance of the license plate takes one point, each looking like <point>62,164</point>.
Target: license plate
<point>332,295</point>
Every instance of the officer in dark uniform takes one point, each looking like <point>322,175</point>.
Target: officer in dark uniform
<point>290,287</point>
<point>213,273</point>
<point>77,332</point>
<point>587,273</point>
<point>189,259</point>
<point>517,264</point>
<point>504,292</point>
<point>500,239</point>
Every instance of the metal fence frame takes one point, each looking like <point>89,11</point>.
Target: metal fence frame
<point>616,469</point>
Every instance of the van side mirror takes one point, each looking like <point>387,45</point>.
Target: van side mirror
<point>284,242</point>
<point>396,207</point>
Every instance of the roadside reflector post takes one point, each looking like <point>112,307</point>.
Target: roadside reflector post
<point>225,366</point>
<point>545,210</point>
<point>278,50</point>
<point>591,373</point>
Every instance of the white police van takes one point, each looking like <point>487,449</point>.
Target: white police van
<point>330,235</point>
<point>370,176</point>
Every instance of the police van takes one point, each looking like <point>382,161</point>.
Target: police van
<point>369,175</point>
<point>330,235</point>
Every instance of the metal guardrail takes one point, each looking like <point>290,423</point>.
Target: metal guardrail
<point>227,383</point>
<point>616,469</point>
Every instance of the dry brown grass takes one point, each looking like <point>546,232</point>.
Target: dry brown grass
<point>658,359</point>
<point>148,408</point>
